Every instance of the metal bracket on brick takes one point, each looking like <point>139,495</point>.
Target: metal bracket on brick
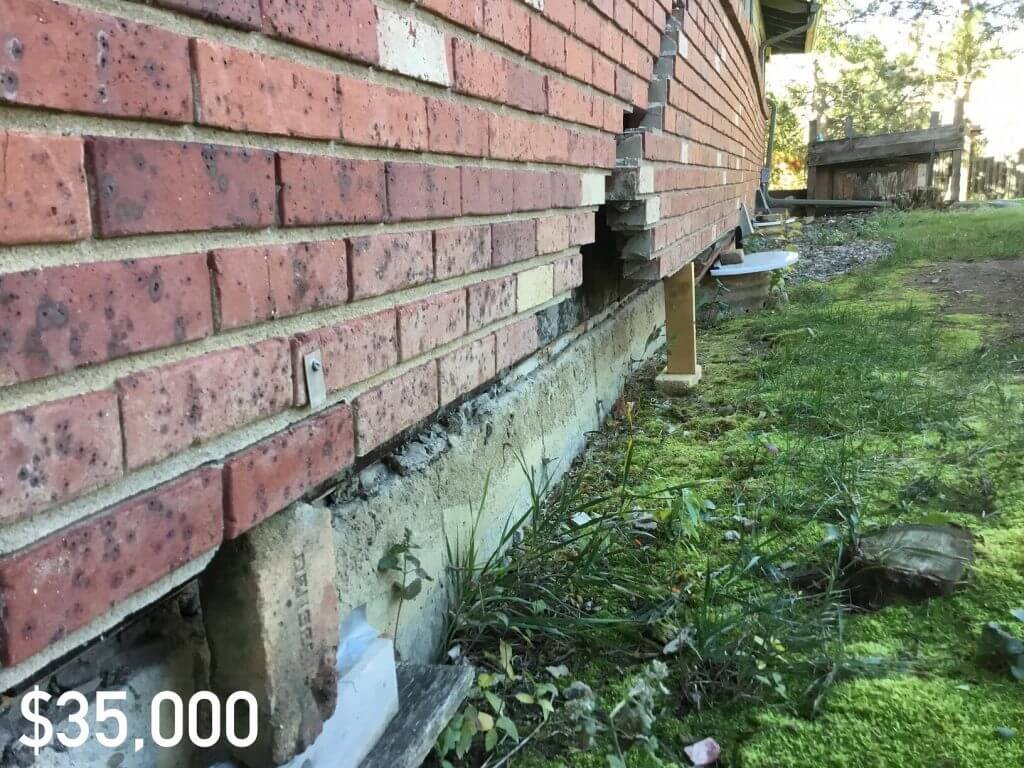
<point>316,386</point>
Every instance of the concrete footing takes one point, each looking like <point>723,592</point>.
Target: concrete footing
<point>677,383</point>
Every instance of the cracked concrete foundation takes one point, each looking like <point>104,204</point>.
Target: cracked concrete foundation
<point>540,414</point>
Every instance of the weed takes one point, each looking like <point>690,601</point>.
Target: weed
<point>400,561</point>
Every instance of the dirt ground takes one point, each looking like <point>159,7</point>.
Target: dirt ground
<point>994,288</point>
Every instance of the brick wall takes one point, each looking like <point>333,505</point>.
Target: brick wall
<point>198,193</point>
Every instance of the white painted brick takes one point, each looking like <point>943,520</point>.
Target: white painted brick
<point>534,286</point>
<point>538,4</point>
<point>411,48</point>
<point>718,158</point>
<point>592,192</point>
<point>684,153</point>
<point>684,45</point>
<point>645,182</point>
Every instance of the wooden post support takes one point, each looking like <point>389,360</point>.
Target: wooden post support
<point>958,179</point>
<point>682,372</point>
<point>848,126</point>
<point>812,171</point>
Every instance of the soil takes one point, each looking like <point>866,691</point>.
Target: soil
<point>994,288</point>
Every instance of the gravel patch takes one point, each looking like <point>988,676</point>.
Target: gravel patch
<point>820,260</point>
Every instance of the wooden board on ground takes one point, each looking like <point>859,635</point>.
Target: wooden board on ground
<point>429,695</point>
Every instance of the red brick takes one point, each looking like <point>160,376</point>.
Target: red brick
<point>566,190</point>
<point>237,13</point>
<point>604,6</point>
<point>431,322</point>
<point>350,352</point>
<point>568,273</point>
<point>261,283</point>
<point>547,43</point>
<point>581,228</point>
<point>58,319</point>
<point>508,22</point>
<point>67,58</point>
<point>604,74</point>
<point>456,129</point>
<point>57,451</point>
<point>579,60</point>
<point>613,117</point>
<point>146,186</point>
<point>328,190</point>
<point>516,341</point>
<point>382,117</point>
<point>478,72</point>
<point>395,405</point>
<point>344,27</point>
<point>611,42</point>
<point>72,577</point>
<point>603,155</point>
<point>513,241</point>
<point>487,191</point>
<point>532,190</point>
<point>389,262</point>
<point>468,13</point>
<point>267,477</point>
<point>165,410</point>
<point>491,300</point>
<point>622,84</point>
<point>46,199</point>
<point>246,91</point>
<point>465,368</point>
<point>562,12</point>
<point>623,12</point>
<point>461,250</point>
<point>526,89</point>
<point>418,191</point>
<point>570,102</point>
<point>588,24</point>
<point>510,138</point>
<point>552,234</point>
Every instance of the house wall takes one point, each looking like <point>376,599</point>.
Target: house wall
<point>196,193</point>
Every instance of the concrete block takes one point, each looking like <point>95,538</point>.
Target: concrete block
<point>677,383</point>
<point>271,613</point>
<point>629,183</point>
<point>411,48</point>
<point>640,214</point>
<point>639,246</point>
<point>629,146</point>
<point>657,93</point>
<point>592,189</point>
<point>534,286</point>
<point>654,117</point>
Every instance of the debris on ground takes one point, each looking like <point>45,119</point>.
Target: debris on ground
<point>908,562</point>
<point>704,752</point>
<point>829,246</point>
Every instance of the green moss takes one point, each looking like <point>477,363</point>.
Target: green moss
<point>904,722</point>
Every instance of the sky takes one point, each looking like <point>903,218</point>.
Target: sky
<point>995,103</point>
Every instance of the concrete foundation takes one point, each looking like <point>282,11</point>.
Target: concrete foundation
<point>539,416</point>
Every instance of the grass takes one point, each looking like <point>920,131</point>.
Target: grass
<point>859,405</point>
